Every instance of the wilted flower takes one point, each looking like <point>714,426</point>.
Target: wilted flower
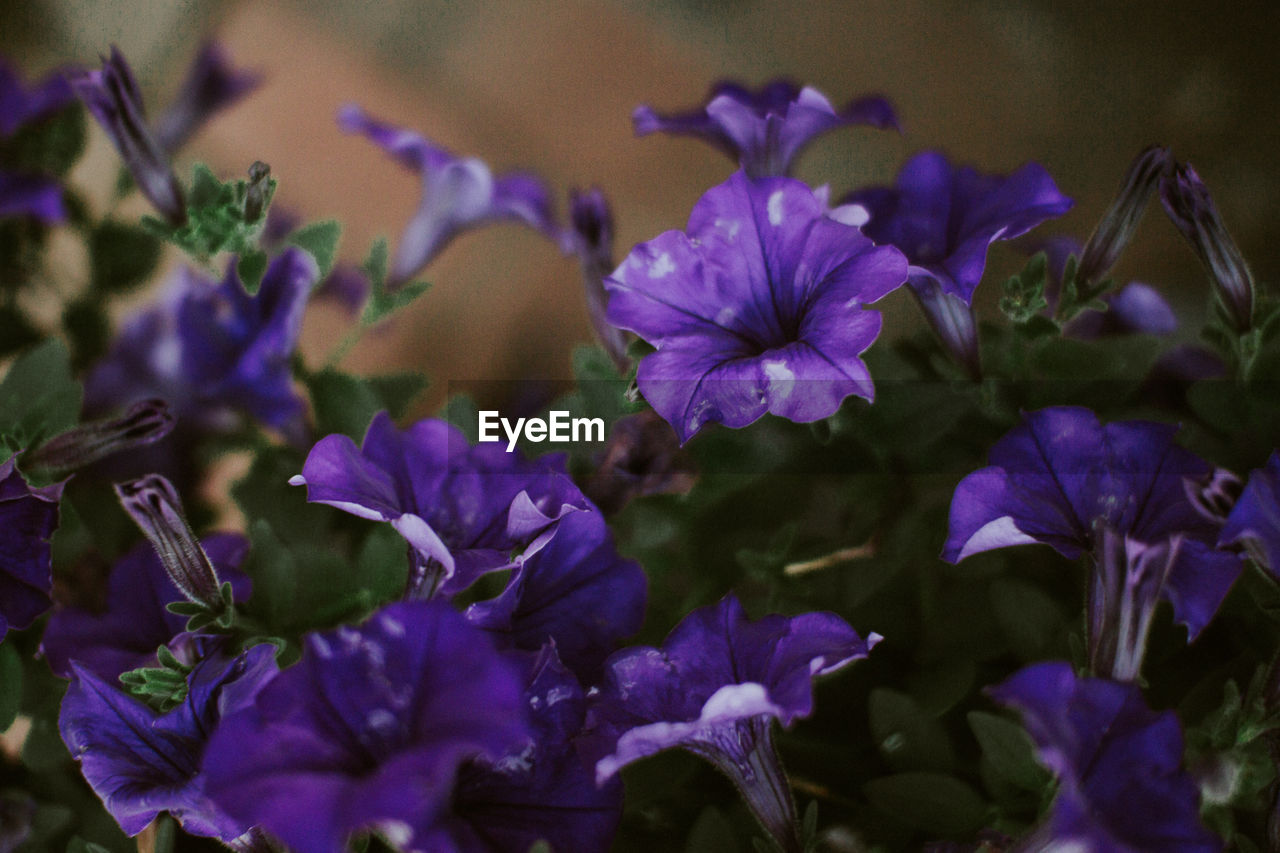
<point>1115,491</point>
<point>715,688</point>
<point>28,518</point>
<point>463,510</point>
<point>141,762</point>
<point>457,193</point>
<point>944,219</point>
<point>1254,521</point>
<point>1121,784</point>
<point>368,730</point>
<point>765,130</point>
<point>760,305</point>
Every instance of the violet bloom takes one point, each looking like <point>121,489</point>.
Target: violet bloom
<point>760,305</point>
<point>1190,207</point>
<point>28,518</point>
<point>113,97</point>
<point>368,730</point>
<point>541,791</point>
<point>1137,308</point>
<point>213,352</point>
<point>19,104</point>
<point>457,193</point>
<point>135,623</point>
<point>1254,521</point>
<point>1117,492</point>
<point>576,592</point>
<point>944,219</point>
<point>715,688</point>
<point>31,195</point>
<point>765,130</point>
<point>141,762</point>
<point>211,85</point>
<point>463,510</point>
<point>1122,787</point>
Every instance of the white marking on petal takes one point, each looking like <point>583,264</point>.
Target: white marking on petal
<point>725,316</point>
<point>782,381</point>
<point>393,626</point>
<point>850,214</point>
<point>397,832</point>
<point>995,534</point>
<point>663,266</point>
<point>775,208</point>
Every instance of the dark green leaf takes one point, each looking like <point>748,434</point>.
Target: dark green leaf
<point>38,397</point>
<point>88,329</point>
<point>928,802</point>
<point>250,267</point>
<point>1008,752</point>
<point>711,833</point>
<point>49,146</point>
<point>1024,293</point>
<point>320,239</point>
<point>1028,617</point>
<point>10,685</point>
<point>121,256</point>
<point>908,737</point>
<point>17,332</point>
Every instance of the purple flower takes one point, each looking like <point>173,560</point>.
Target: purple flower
<point>126,635</point>
<point>944,219</point>
<point>759,306</point>
<point>214,352</point>
<point>31,195</point>
<point>576,591</point>
<point>1190,207</point>
<point>765,130</point>
<point>1117,492</point>
<point>592,241</point>
<point>714,688</point>
<point>462,509</point>
<point>19,105</point>
<point>1137,308</point>
<point>457,193</point>
<point>368,730</point>
<point>642,457</point>
<point>113,97</point>
<point>141,762</point>
<point>1118,224</point>
<point>211,85</point>
<point>28,518</point>
<point>1122,787</point>
<point>1254,521</point>
<point>143,423</point>
<point>542,791</point>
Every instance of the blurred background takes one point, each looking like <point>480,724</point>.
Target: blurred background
<point>550,86</point>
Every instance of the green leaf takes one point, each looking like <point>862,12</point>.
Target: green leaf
<point>384,301</point>
<point>711,833</point>
<point>1007,751</point>
<point>1028,617</point>
<point>461,411</point>
<point>38,397</point>
<point>342,403</point>
<point>79,845</point>
<point>43,750</point>
<point>1024,293</point>
<point>216,221</point>
<point>49,146</point>
<point>88,330</point>
<point>17,332</point>
<point>320,240</point>
<point>10,685</point>
<point>383,563</point>
<point>121,256</point>
<point>250,267</point>
<point>929,802</point>
<point>908,737</point>
<point>397,390</point>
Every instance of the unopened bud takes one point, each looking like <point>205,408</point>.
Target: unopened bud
<point>1118,224</point>
<point>593,242</point>
<point>142,423</point>
<point>255,199</point>
<point>153,504</point>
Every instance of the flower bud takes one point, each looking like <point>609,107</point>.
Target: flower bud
<point>142,423</point>
<point>1118,224</point>
<point>592,239</point>
<point>153,504</point>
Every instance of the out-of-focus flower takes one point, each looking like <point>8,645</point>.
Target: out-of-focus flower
<point>1254,521</point>
<point>457,193</point>
<point>211,85</point>
<point>642,457</point>
<point>592,241</point>
<point>464,510</point>
<point>136,622</point>
<point>715,688</point>
<point>141,762</point>
<point>760,305</point>
<point>145,422</point>
<point>765,130</point>
<point>368,730</point>
<point>944,219</point>
<point>113,97</point>
<point>31,195</point>
<point>541,791</point>
<point>1121,785</point>
<point>212,351</point>
<point>28,518</point>
<point>19,104</point>
<point>1116,491</point>
<point>1187,201</point>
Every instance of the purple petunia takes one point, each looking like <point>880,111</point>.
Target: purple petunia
<point>760,305</point>
<point>368,730</point>
<point>765,130</point>
<point>126,635</point>
<point>28,518</point>
<point>211,85</point>
<point>19,104</point>
<point>1254,521</point>
<point>462,509</point>
<point>214,352</point>
<point>457,193</point>
<point>541,791</point>
<point>715,688</point>
<point>31,195</point>
<point>141,762</point>
<point>1122,787</point>
<point>1116,491</point>
<point>944,219</point>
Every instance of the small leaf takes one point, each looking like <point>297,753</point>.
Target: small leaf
<point>250,267</point>
<point>1008,751</point>
<point>320,239</point>
<point>38,397</point>
<point>10,685</point>
<point>932,802</point>
<point>908,737</point>
<point>1024,293</point>
<point>121,256</point>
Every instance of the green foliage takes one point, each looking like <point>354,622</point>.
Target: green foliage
<point>385,300</point>
<point>38,397</point>
<point>50,146</point>
<point>88,330</point>
<point>10,685</point>
<point>907,736</point>
<point>320,240</point>
<point>121,256</point>
<point>17,332</point>
<point>345,404</point>
<point>931,802</point>
<point>1008,756</point>
<point>1024,293</point>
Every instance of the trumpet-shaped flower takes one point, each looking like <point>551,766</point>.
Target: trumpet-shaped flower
<point>1254,521</point>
